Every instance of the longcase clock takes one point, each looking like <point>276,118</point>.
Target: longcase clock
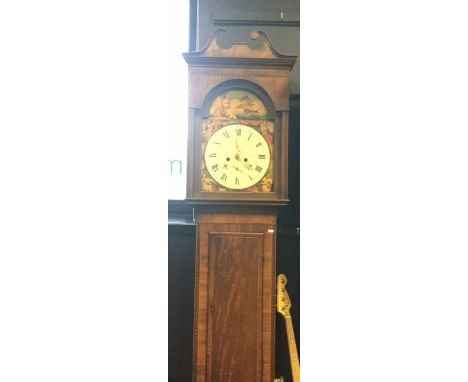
<point>236,179</point>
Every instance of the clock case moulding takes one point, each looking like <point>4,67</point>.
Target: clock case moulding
<point>260,70</point>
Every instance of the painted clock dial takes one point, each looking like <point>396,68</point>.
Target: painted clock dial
<point>237,156</point>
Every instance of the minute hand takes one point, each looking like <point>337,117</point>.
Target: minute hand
<point>237,156</point>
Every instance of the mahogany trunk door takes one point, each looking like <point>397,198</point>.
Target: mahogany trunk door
<point>234,298</point>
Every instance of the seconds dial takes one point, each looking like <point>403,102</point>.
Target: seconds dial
<point>237,156</point>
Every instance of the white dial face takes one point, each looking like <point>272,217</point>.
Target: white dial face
<point>237,156</point>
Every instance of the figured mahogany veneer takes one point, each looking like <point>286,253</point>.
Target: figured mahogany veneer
<point>234,298</point>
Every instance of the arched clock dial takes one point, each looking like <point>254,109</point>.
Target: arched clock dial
<point>237,156</point>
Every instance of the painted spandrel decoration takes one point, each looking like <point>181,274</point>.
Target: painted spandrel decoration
<point>242,107</point>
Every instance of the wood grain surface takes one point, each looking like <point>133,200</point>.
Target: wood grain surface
<point>234,298</point>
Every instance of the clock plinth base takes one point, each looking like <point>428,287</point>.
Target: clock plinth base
<point>234,297</point>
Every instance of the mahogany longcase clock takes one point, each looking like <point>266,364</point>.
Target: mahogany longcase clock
<point>237,175</point>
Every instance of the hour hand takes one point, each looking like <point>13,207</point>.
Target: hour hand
<point>237,150</point>
<point>237,168</point>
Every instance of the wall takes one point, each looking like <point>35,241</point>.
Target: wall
<point>242,17</point>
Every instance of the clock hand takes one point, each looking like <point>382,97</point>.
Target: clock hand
<point>237,156</point>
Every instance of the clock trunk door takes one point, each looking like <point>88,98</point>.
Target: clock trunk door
<point>234,322</point>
